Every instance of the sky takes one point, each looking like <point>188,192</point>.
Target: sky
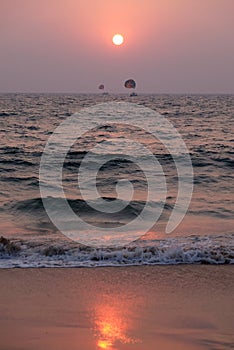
<point>171,46</point>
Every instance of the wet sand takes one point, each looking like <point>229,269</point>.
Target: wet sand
<point>155,307</point>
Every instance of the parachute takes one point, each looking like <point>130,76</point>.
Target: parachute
<point>101,87</point>
<point>130,84</point>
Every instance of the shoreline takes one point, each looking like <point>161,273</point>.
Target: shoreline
<point>179,306</point>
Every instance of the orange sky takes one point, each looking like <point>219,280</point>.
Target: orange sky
<point>65,45</point>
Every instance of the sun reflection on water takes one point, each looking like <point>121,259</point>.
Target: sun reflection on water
<point>111,327</point>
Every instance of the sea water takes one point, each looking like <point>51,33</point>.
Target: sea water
<point>205,123</point>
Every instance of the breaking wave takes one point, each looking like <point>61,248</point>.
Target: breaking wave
<point>171,251</point>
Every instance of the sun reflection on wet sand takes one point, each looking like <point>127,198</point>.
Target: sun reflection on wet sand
<point>112,326</point>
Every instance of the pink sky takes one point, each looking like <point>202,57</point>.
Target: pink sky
<point>171,46</point>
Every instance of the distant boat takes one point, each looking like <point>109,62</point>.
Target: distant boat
<point>130,84</point>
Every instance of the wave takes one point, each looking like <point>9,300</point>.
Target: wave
<point>27,180</point>
<point>35,207</point>
<point>202,158</point>
<point>199,160</point>
<point>171,251</point>
<point>16,162</point>
<point>33,128</point>
<point>10,150</point>
<point>80,204</point>
<point>7,114</point>
<point>18,157</point>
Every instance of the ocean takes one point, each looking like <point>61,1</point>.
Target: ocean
<point>29,235</point>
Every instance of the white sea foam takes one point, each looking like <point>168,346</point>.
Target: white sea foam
<point>172,251</point>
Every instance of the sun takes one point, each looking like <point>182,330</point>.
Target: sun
<point>118,39</point>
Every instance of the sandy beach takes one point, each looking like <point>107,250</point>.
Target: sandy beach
<point>116,175</point>
<point>171,307</point>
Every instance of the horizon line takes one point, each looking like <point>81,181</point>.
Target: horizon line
<point>115,93</point>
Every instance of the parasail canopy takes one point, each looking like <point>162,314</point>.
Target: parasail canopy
<point>101,87</point>
<point>130,84</point>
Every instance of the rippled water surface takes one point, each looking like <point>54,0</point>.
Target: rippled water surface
<point>206,233</point>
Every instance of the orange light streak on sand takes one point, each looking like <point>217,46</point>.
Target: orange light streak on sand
<point>111,327</point>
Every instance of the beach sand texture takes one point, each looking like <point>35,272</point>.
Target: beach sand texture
<point>154,307</point>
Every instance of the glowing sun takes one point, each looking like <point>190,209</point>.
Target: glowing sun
<point>118,39</point>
